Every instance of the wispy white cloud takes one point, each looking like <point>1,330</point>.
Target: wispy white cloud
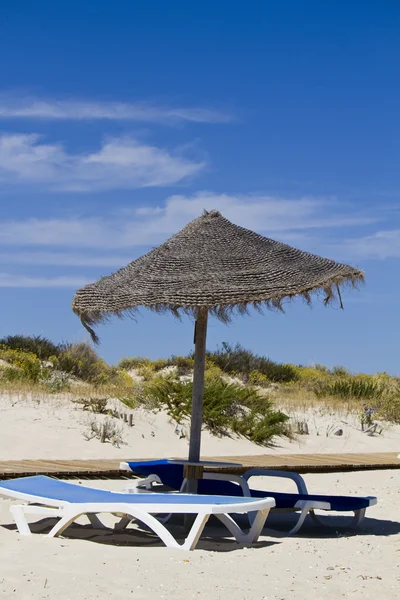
<point>13,106</point>
<point>263,213</point>
<point>286,219</point>
<point>120,163</point>
<point>379,245</point>
<point>8,280</point>
<point>63,259</point>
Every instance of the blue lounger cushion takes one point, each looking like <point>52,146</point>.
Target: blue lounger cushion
<point>54,489</point>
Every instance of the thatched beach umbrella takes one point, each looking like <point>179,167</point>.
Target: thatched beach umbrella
<point>211,267</point>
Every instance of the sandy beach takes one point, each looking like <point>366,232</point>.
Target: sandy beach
<point>87,564</point>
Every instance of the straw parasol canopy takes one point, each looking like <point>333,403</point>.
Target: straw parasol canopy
<point>212,266</point>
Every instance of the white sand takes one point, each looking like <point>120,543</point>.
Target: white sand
<point>88,564</point>
<point>54,427</point>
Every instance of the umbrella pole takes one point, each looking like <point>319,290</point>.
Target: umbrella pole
<point>200,334</point>
<point>198,390</point>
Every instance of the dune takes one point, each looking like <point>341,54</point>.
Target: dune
<point>50,426</point>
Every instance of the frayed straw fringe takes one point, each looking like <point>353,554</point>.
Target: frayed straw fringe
<point>225,313</point>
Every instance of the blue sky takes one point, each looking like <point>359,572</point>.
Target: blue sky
<point>122,121</point>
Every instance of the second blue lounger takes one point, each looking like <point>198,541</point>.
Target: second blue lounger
<point>171,475</point>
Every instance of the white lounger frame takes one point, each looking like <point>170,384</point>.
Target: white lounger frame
<point>68,512</point>
<point>305,507</point>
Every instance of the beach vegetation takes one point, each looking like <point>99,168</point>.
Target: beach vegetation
<point>236,359</point>
<point>133,362</point>
<point>19,365</point>
<point>106,431</point>
<point>234,376</point>
<point>389,408</point>
<point>351,387</point>
<point>227,408</point>
<point>94,404</point>
<point>41,347</point>
<point>83,362</point>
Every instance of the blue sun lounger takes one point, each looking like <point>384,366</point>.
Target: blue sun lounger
<point>171,474</point>
<point>47,497</point>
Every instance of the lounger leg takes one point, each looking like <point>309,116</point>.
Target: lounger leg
<point>358,517</point>
<point>18,514</point>
<point>95,521</point>
<point>303,514</point>
<point>149,520</point>
<point>154,524</point>
<point>63,523</point>
<point>357,520</point>
<point>195,532</point>
<point>69,518</point>
<point>306,507</point>
<point>165,519</point>
<point>305,511</point>
<point>257,526</point>
<point>122,524</point>
<point>146,518</point>
<point>254,532</point>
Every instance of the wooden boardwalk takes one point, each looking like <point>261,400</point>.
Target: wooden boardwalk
<point>302,463</point>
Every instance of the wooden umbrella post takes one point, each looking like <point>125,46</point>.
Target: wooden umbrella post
<point>198,391</point>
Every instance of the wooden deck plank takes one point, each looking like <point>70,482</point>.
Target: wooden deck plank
<point>302,463</point>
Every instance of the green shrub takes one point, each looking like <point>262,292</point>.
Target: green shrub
<point>321,368</point>
<point>352,387</point>
<point>262,426</point>
<point>340,371</point>
<point>257,378</point>
<point>24,366</point>
<point>236,359</point>
<point>391,384</point>
<point>311,377</point>
<point>307,374</point>
<point>124,379</point>
<point>83,362</point>
<point>160,363</point>
<point>227,407</point>
<point>133,362</point>
<point>146,371</point>
<point>57,381</point>
<point>212,371</point>
<point>40,346</point>
<point>95,405</point>
<point>389,409</point>
<point>184,364</point>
